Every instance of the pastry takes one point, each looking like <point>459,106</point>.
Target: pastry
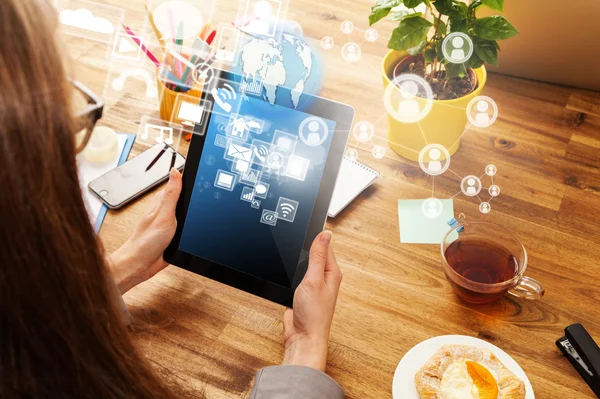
<point>466,372</point>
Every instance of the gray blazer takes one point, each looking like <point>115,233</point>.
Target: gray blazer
<point>294,382</point>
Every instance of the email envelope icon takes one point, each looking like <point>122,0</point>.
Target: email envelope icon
<point>240,152</point>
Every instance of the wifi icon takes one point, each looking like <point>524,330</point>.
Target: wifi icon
<point>223,96</point>
<point>286,209</point>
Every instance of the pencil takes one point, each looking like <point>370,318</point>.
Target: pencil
<point>160,154</point>
<point>211,37</point>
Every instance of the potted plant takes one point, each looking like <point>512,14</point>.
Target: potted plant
<point>416,48</point>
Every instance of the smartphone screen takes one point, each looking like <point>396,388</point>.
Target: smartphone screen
<point>126,182</point>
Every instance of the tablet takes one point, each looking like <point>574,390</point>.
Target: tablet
<point>257,184</point>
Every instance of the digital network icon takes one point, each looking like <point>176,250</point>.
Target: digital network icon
<point>363,131</point>
<point>471,185</point>
<point>482,111</point>
<point>224,97</point>
<point>313,131</point>
<point>378,152</point>
<point>351,51</point>
<point>434,159</point>
<point>457,48</point>
<point>408,98</point>
<point>352,154</point>
<point>432,208</point>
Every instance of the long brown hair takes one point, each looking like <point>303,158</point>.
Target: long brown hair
<point>60,331</point>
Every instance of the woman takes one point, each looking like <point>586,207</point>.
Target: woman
<point>61,335</point>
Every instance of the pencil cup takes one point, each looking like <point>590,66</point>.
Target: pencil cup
<point>168,99</point>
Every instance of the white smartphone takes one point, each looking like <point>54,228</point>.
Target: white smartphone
<point>130,180</point>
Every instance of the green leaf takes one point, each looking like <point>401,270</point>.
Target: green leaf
<point>455,70</point>
<point>486,50</point>
<point>411,31</point>
<point>474,62</point>
<point>381,9</point>
<point>495,4</point>
<point>442,29</point>
<point>412,3</point>
<point>458,23</point>
<point>444,6</point>
<point>494,28</point>
<point>429,55</point>
<point>417,49</point>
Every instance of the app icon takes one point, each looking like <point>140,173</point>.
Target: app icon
<point>269,217</point>
<point>225,180</point>
<point>297,168</point>
<point>286,209</point>
<point>261,189</point>
<point>247,194</point>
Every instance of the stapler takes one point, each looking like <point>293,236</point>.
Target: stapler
<point>583,353</point>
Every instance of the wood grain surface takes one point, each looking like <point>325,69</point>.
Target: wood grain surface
<point>546,145</point>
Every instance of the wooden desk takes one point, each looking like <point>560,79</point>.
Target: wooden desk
<point>546,146</point>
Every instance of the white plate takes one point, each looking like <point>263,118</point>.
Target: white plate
<point>403,386</point>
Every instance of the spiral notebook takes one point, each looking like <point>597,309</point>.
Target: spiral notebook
<point>353,179</point>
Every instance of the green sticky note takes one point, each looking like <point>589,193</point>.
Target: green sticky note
<point>424,224</point>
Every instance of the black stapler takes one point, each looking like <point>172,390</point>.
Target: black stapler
<point>583,353</point>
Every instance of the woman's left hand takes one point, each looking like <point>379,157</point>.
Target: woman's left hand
<point>141,257</point>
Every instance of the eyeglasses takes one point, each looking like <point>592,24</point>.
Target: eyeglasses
<point>88,117</point>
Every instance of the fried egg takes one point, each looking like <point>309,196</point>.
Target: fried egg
<point>465,379</point>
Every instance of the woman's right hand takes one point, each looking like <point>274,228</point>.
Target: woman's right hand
<point>307,326</point>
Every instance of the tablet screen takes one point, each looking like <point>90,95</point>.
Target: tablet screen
<point>255,189</point>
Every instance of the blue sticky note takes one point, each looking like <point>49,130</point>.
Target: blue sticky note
<point>417,228</point>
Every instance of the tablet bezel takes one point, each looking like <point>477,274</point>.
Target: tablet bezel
<point>343,115</point>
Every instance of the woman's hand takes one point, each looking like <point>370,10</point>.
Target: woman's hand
<point>141,257</point>
<point>306,327</point>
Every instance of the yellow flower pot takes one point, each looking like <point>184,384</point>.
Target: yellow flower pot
<point>444,124</point>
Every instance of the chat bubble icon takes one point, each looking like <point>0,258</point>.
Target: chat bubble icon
<point>170,15</point>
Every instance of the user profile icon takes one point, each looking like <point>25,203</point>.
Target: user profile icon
<point>371,35</point>
<point>485,207</point>
<point>347,27</point>
<point>470,186</point>
<point>491,170</point>
<point>363,131</point>
<point>482,111</point>
<point>408,98</point>
<point>351,52</point>
<point>327,42</point>
<point>457,48</point>
<point>352,154</point>
<point>434,159</point>
<point>494,190</point>
<point>432,208</point>
<point>313,131</point>
<point>378,152</point>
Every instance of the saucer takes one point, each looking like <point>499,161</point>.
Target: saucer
<point>403,386</point>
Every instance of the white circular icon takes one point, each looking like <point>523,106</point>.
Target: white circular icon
<point>378,152</point>
<point>408,98</point>
<point>470,186</point>
<point>371,35</point>
<point>434,159</point>
<point>494,190</point>
<point>352,154</point>
<point>482,111</point>
<point>347,27</point>
<point>203,73</point>
<point>457,48</point>
<point>327,42</point>
<point>351,52</point>
<point>363,131</point>
<point>432,208</point>
<point>485,207</point>
<point>491,170</point>
<point>313,131</point>
<point>275,161</point>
